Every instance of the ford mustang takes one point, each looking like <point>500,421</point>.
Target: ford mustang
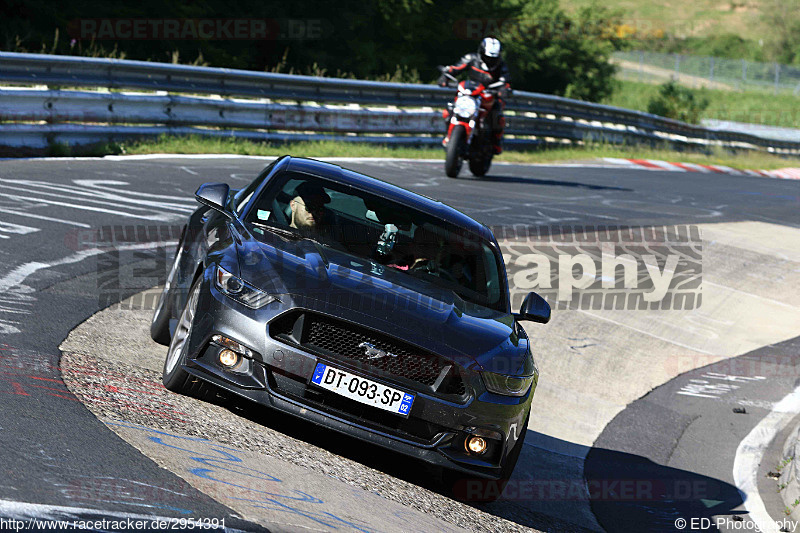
<point>356,305</point>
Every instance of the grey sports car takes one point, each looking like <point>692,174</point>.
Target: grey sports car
<point>356,305</point>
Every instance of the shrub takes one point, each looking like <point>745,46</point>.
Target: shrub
<point>678,102</point>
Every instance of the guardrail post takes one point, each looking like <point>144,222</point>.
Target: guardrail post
<point>641,65</point>
<point>777,76</point>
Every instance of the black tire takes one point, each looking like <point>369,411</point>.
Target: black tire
<point>174,377</point>
<point>480,166</point>
<point>485,490</point>
<point>159,327</point>
<point>453,160</point>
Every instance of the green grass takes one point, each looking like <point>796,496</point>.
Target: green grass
<point>751,107</point>
<point>322,149</point>
<point>685,18</point>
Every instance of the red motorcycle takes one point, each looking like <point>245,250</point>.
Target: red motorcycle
<point>469,134</point>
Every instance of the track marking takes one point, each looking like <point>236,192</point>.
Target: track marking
<point>21,273</point>
<point>98,197</point>
<point>649,334</point>
<point>750,452</point>
<point>42,217</point>
<point>192,172</point>
<point>163,217</point>
<point>770,300</point>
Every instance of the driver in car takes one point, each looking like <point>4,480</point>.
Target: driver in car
<point>308,207</point>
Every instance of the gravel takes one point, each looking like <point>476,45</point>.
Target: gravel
<point>118,377</point>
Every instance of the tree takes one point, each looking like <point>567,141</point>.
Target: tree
<point>550,52</point>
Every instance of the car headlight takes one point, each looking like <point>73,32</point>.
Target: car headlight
<point>508,385</point>
<point>465,106</point>
<point>240,290</point>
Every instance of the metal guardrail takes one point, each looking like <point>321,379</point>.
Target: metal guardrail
<point>272,107</point>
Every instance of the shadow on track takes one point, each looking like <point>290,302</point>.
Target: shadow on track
<point>548,490</point>
<point>556,183</point>
<point>631,493</point>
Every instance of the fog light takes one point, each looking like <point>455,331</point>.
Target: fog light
<point>476,445</point>
<point>228,358</point>
<point>233,345</point>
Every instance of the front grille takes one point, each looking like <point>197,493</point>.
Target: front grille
<point>364,415</point>
<point>344,341</point>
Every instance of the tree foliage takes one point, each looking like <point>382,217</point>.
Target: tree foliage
<point>553,53</point>
<point>402,40</point>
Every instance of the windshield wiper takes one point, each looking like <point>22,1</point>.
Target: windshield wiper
<point>292,234</point>
<point>296,235</point>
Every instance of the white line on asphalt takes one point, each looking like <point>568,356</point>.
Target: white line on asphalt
<point>165,217</point>
<point>102,197</point>
<point>21,273</point>
<point>643,332</point>
<point>192,172</point>
<point>770,300</point>
<point>42,217</point>
<point>750,453</point>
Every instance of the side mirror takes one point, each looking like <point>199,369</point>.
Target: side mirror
<point>534,308</point>
<point>214,195</point>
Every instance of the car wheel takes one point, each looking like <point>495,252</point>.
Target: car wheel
<point>159,327</point>
<point>174,377</point>
<point>471,489</point>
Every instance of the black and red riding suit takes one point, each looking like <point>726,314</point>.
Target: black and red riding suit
<point>479,72</point>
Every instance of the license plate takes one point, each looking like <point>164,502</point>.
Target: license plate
<point>362,390</point>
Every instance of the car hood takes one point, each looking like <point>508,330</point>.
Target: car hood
<point>382,298</point>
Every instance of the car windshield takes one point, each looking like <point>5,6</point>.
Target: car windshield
<point>395,235</point>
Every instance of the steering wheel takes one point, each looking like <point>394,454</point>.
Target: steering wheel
<point>436,271</point>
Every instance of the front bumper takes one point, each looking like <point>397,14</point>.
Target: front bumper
<point>278,376</point>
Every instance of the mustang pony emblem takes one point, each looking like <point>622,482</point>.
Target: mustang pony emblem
<point>373,352</point>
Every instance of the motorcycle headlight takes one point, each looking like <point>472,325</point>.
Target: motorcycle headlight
<point>465,106</point>
<point>240,290</point>
<point>508,385</point>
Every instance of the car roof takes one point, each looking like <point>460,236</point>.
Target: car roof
<point>390,192</point>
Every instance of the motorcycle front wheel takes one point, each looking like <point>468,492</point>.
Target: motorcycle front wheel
<point>479,166</point>
<point>453,160</point>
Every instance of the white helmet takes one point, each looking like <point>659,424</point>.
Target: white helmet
<point>489,51</point>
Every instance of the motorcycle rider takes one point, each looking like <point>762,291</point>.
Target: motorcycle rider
<point>486,67</point>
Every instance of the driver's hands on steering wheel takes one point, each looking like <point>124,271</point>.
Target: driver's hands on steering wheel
<point>431,267</point>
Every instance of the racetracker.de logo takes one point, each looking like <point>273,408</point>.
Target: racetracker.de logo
<point>194,29</point>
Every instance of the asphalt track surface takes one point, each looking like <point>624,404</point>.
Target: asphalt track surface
<point>53,450</point>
